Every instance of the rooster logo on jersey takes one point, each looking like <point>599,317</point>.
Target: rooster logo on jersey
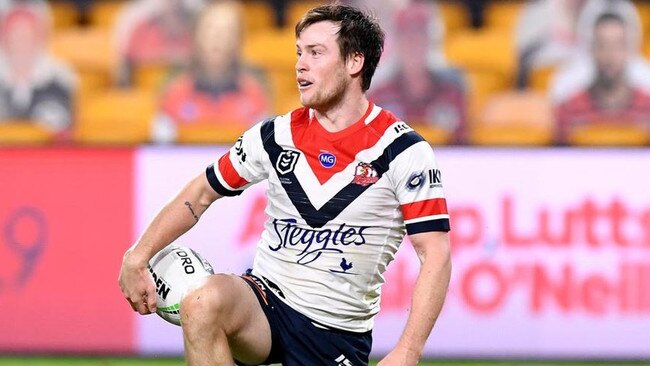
<point>365,175</point>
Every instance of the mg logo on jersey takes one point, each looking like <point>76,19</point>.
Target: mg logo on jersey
<point>327,159</point>
<point>287,161</point>
<point>365,174</point>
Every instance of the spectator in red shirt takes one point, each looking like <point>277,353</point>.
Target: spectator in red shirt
<point>611,97</point>
<point>419,90</point>
<point>218,90</point>
<point>155,32</point>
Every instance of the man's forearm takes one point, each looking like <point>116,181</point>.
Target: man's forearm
<point>176,218</point>
<point>428,297</point>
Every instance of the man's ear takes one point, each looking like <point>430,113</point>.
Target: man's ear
<point>355,63</point>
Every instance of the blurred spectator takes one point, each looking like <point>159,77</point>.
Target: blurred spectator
<point>218,90</point>
<point>550,33</point>
<point>546,34</point>
<point>385,13</point>
<point>421,89</point>
<point>155,32</point>
<point>33,86</point>
<point>615,94</point>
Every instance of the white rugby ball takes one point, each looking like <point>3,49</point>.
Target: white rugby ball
<point>174,270</point>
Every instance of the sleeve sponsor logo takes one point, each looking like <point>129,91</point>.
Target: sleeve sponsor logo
<point>435,178</point>
<point>416,181</point>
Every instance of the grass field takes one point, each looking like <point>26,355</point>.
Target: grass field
<point>74,361</point>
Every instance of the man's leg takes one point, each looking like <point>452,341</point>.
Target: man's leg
<point>222,319</point>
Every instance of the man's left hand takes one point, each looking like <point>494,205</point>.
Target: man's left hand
<point>400,357</point>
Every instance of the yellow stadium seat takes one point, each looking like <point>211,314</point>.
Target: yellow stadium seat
<point>64,14</point>
<point>117,116</point>
<point>274,48</point>
<point>503,14</point>
<point>455,16</point>
<point>23,133</point>
<point>481,86</point>
<point>284,90</point>
<point>258,16</point>
<point>104,13</point>
<point>297,8</point>
<point>151,76</point>
<point>208,133</point>
<point>91,54</point>
<point>275,52</point>
<point>434,135</point>
<point>644,13</point>
<point>608,134</point>
<point>540,78</point>
<point>515,118</point>
<point>490,50</point>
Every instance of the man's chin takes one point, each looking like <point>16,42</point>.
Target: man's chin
<point>308,103</point>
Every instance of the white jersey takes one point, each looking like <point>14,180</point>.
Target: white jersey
<point>339,205</point>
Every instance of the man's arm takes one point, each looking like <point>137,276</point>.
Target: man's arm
<point>428,296</point>
<point>176,218</point>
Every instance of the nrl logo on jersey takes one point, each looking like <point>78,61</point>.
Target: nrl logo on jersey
<point>365,174</point>
<point>287,161</point>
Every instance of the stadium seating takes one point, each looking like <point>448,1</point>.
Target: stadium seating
<point>496,114</point>
<point>208,133</point>
<point>104,13</point>
<point>23,133</point>
<point>296,9</point>
<point>64,14</point>
<point>118,116</point>
<point>503,14</point>
<point>540,78</point>
<point>434,135</point>
<point>515,118</point>
<point>482,85</point>
<point>152,76</point>
<point>275,52</point>
<point>454,16</point>
<point>258,16</point>
<point>488,50</point>
<point>90,52</point>
<point>608,134</point>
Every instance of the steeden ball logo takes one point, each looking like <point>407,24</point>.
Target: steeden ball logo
<point>327,159</point>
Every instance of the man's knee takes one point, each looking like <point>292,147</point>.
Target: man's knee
<point>208,303</point>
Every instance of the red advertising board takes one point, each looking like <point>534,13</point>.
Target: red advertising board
<point>65,221</point>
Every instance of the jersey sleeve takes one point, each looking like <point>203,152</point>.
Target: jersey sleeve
<point>418,187</point>
<point>243,165</point>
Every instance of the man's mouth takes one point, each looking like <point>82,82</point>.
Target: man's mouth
<point>304,84</point>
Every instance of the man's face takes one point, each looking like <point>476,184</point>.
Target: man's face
<point>610,51</point>
<point>321,71</point>
<point>217,41</point>
<point>413,44</point>
<point>22,42</point>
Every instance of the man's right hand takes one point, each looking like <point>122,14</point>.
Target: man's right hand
<point>137,284</point>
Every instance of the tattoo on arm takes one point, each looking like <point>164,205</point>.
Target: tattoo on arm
<point>189,205</point>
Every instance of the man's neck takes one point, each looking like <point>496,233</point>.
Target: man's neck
<point>344,114</point>
<point>612,95</point>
